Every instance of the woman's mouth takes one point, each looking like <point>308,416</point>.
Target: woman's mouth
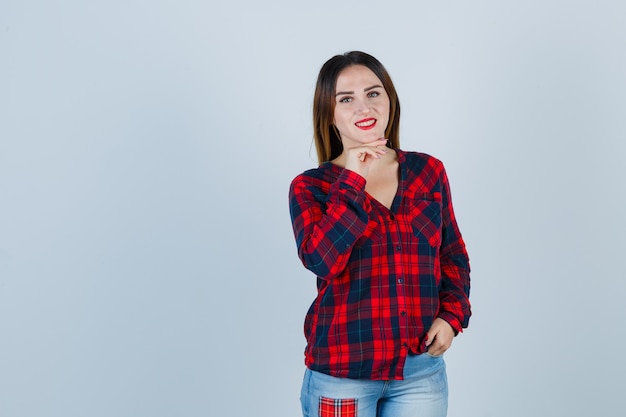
<point>366,124</point>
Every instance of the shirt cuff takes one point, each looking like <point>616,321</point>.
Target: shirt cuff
<point>352,180</point>
<point>452,321</point>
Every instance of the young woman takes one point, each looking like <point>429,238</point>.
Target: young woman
<point>376,225</point>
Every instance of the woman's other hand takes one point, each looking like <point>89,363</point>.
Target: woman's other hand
<point>439,337</point>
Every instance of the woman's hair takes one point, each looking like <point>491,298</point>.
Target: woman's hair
<point>327,140</point>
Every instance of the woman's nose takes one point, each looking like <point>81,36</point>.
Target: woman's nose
<point>363,107</point>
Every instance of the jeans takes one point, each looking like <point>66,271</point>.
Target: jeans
<point>422,393</point>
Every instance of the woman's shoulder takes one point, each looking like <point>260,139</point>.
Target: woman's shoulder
<point>320,176</point>
<point>419,160</point>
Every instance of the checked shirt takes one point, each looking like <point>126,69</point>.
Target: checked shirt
<point>383,275</point>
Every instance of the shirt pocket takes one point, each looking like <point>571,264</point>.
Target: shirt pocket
<point>425,214</point>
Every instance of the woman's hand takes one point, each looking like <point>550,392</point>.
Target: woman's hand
<point>360,158</point>
<point>439,337</point>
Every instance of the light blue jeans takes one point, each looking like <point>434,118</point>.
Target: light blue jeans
<point>422,393</point>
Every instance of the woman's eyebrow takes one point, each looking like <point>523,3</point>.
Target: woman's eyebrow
<point>365,90</point>
<point>372,87</point>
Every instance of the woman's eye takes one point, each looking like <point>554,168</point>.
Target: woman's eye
<point>345,100</point>
<point>374,94</point>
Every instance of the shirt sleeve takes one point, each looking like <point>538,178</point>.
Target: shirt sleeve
<point>327,225</point>
<point>455,269</point>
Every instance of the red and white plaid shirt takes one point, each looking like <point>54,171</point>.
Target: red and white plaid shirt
<point>383,274</point>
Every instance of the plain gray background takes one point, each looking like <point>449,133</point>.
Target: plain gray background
<point>147,264</point>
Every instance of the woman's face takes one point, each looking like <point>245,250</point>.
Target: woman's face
<point>361,106</point>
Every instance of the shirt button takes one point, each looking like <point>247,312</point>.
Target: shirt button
<point>398,247</point>
<point>403,314</point>
<point>392,217</point>
<point>400,280</point>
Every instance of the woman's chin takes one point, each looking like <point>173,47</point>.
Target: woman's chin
<point>369,135</point>
<point>364,138</point>
<point>372,137</point>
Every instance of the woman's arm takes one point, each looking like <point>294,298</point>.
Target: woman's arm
<point>326,226</point>
<point>455,269</point>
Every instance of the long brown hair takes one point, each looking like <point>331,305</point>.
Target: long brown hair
<point>327,140</point>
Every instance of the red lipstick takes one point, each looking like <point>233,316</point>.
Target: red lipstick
<point>366,124</point>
